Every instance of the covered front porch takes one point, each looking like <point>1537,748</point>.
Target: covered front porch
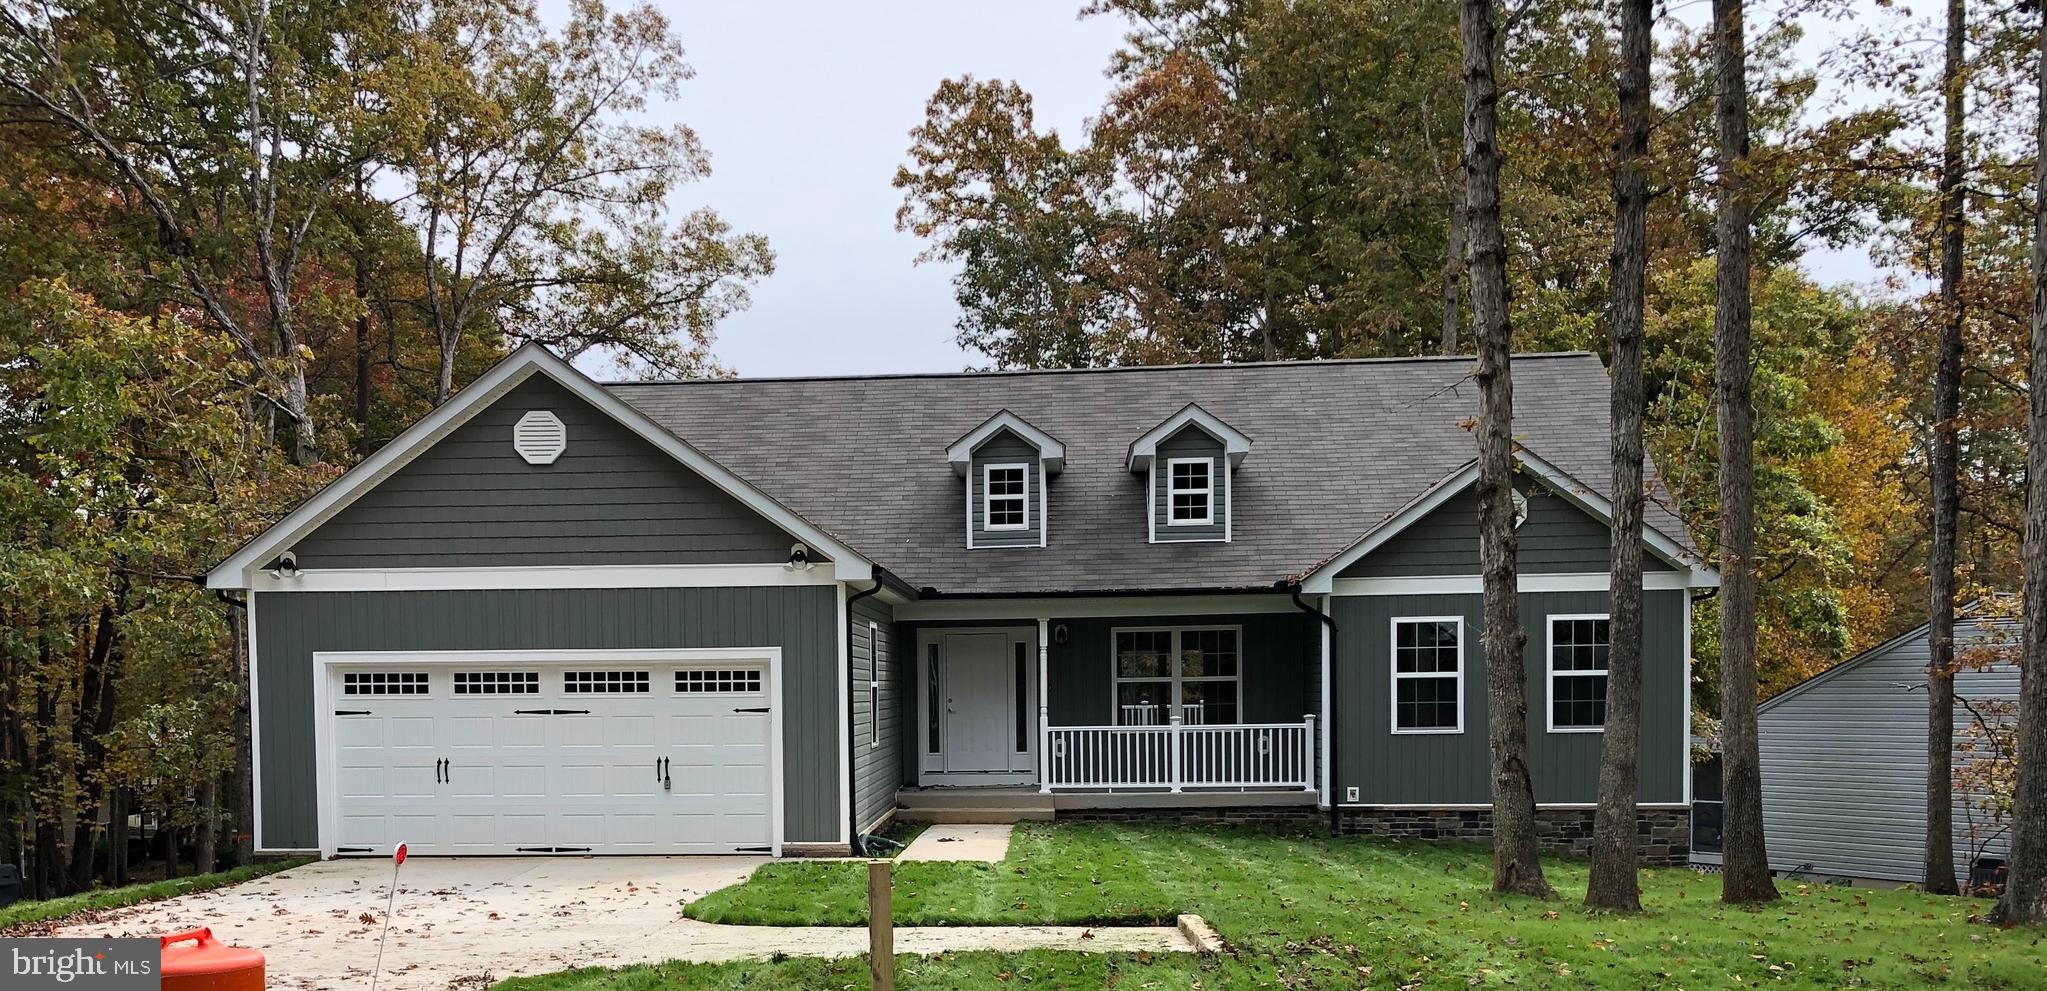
<point>1188,709</point>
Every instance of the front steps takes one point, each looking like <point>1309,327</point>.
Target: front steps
<point>973,805</point>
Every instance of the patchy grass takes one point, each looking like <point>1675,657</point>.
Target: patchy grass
<point>55,910</point>
<point>1321,913</point>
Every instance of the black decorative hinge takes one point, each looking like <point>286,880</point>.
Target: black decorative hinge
<point>760,709</point>
<point>550,712</point>
<point>552,849</point>
<point>754,849</point>
<point>355,849</point>
<point>351,712</point>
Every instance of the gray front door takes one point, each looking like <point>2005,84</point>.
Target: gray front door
<point>977,703</point>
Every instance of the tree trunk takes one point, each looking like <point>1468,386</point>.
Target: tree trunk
<point>1453,273</point>
<point>444,381</point>
<point>363,444</point>
<point>1938,875</point>
<point>1614,884</point>
<point>1745,871</point>
<point>2025,888</point>
<point>117,838</point>
<point>1516,863</point>
<point>208,827</point>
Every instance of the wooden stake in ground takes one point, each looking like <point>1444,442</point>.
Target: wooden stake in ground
<point>1516,864</point>
<point>2025,886</point>
<point>1745,869</point>
<point>881,927</point>
<point>1614,883</point>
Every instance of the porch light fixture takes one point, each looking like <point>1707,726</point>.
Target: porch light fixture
<point>1059,634</point>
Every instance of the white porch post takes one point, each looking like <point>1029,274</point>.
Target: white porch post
<point>1173,734</point>
<point>1044,706</point>
<point>1308,741</point>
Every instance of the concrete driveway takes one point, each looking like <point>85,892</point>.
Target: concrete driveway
<point>463,923</point>
<point>458,922</point>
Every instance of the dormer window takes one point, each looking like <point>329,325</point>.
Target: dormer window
<point>1188,462</point>
<point>1006,496</point>
<point>1006,462</point>
<point>1189,492</point>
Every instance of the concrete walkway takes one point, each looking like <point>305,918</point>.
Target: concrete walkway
<point>465,923</point>
<point>986,844</point>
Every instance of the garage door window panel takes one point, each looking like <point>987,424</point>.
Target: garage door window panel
<point>607,682</point>
<point>497,682</point>
<point>369,683</point>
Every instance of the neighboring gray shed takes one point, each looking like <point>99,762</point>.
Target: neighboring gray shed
<point>1844,762</point>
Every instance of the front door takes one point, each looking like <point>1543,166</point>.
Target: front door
<point>977,701</point>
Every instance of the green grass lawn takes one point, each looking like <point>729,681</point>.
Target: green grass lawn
<point>55,909</point>
<point>1320,913</point>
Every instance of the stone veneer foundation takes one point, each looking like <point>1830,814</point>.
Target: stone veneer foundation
<point>1664,834</point>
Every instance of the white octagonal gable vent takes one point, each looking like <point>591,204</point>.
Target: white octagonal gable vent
<point>539,437</point>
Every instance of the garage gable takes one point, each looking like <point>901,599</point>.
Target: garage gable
<point>599,495</point>
<point>532,466</point>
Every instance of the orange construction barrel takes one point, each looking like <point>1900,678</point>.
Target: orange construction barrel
<point>209,964</point>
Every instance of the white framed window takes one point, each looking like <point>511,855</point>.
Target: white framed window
<point>497,682</point>
<point>1427,654</point>
<point>1006,497</point>
<point>606,682</point>
<point>1190,491</point>
<point>384,683</point>
<point>1198,669</point>
<point>719,681</point>
<point>1577,652</point>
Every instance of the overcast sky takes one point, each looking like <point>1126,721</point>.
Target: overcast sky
<point>806,107</point>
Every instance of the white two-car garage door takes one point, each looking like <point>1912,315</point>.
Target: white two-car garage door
<point>502,758</point>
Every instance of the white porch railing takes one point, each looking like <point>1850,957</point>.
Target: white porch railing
<point>1177,756</point>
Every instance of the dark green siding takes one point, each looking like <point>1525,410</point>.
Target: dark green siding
<point>1277,650</point>
<point>1452,769</point>
<point>803,621</point>
<point>1190,442</point>
<point>1006,448</point>
<point>877,757</point>
<point>612,498</point>
<point>1557,537</point>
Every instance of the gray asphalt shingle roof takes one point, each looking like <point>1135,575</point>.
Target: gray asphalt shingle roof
<point>1337,447</point>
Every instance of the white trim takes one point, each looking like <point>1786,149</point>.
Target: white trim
<point>1684,746</point>
<point>323,721</point>
<point>1051,453</point>
<point>1596,581</point>
<point>255,797</point>
<point>1551,674</point>
<point>1326,795</point>
<point>575,576</point>
<point>873,685</point>
<point>238,569</point>
<point>1236,444</point>
<point>1393,670</point>
<point>1695,572</point>
<point>988,496</point>
<point>1103,607</point>
<point>1173,677</point>
<point>1044,505</point>
<point>1151,507</point>
<point>1207,492</point>
<point>845,733</point>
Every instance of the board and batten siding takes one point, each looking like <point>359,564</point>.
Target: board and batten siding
<point>1452,768</point>
<point>612,498</point>
<point>877,729</point>
<point>1557,538</point>
<point>1006,448</point>
<point>1190,442</point>
<point>803,621</point>
<point>1844,765</point>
